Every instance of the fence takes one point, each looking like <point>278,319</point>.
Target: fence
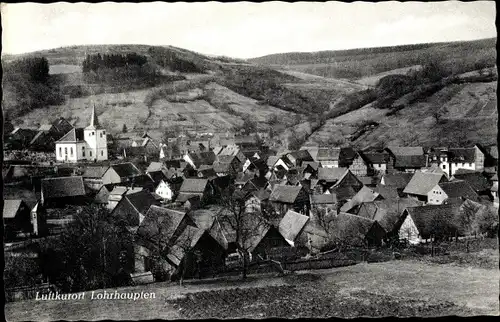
<point>27,292</point>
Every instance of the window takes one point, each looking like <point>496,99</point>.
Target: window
<point>102,153</point>
<point>103,132</point>
<point>60,151</point>
<point>92,133</point>
<point>66,151</point>
<point>100,134</point>
<point>83,151</point>
<point>90,153</point>
<point>71,151</point>
<point>444,166</point>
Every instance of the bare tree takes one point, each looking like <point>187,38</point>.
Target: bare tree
<point>246,223</point>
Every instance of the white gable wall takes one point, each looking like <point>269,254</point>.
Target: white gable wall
<point>409,231</point>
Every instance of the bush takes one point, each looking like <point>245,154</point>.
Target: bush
<point>486,222</point>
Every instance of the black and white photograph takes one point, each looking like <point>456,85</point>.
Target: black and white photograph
<point>209,160</point>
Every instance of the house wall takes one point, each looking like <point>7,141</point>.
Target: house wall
<point>454,166</point>
<point>164,190</point>
<point>252,205</point>
<point>330,164</point>
<point>436,196</point>
<point>271,240</point>
<point>281,163</point>
<point>97,143</point>
<point>92,183</point>
<point>380,168</point>
<point>110,176</point>
<point>358,167</point>
<point>63,151</point>
<point>409,231</point>
<point>188,160</point>
<point>479,159</point>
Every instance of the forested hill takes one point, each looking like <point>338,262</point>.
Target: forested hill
<point>358,63</point>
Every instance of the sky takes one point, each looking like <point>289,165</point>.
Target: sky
<point>244,29</point>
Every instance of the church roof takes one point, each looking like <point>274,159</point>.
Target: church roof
<point>74,135</point>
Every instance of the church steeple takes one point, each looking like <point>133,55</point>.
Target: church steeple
<point>94,121</point>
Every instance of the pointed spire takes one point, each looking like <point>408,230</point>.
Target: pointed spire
<point>94,121</point>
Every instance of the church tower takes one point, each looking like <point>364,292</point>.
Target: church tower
<point>95,137</point>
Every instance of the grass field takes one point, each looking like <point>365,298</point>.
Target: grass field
<point>394,288</point>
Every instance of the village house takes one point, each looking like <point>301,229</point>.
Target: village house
<point>452,159</point>
<point>191,187</point>
<point>116,194</point>
<point>328,157</point>
<point>421,184</point>
<point>355,230</point>
<point>195,252</point>
<point>132,208</point>
<point>155,234</point>
<point>476,180</point>
<point>291,226</point>
<point>324,203</point>
<point>377,162</point>
<point>352,160</point>
<point>419,224</point>
<point>405,159</point>
<point>284,198</point>
<point>92,176</point>
<point>339,181</point>
<point>62,191</point>
<point>445,191</point>
<point>398,181</point>
<point>201,158</point>
<point>494,190</point>
<point>19,139</point>
<point>81,144</point>
<point>120,173</point>
<point>18,221</point>
<point>364,195</point>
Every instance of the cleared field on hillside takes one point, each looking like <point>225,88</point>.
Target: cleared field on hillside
<point>375,289</point>
<point>64,69</point>
<point>467,114</point>
<point>373,80</point>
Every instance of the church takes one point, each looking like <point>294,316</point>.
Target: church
<point>83,144</point>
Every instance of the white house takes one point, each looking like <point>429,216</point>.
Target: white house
<point>494,190</point>
<point>164,190</point>
<point>450,160</point>
<point>81,144</point>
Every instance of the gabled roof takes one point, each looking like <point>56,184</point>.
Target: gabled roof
<point>159,226</point>
<point>435,219</point>
<point>422,182</point>
<point>243,178</point>
<point>45,127</point>
<point>194,185</point>
<point>301,155</point>
<point>323,199</point>
<point>62,125</point>
<point>63,187</point>
<point>313,164</point>
<point>350,228</point>
<point>221,167</point>
<point>328,154</point>
<point>398,180</point>
<point>457,189</point>
<point>155,166</point>
<point>410,161</point>
<point>11,207</point>
<point>203,218</point>
<point>388,212</point>
<point>94,171</point>
<point>331,174</point>
<point>375,157</point>
<point>476,180</point>
<point>271,161</point>
<point>406,150</point>
<point>188,239</point>
<point>74,135</point>
<point>461,155</point>
<point>126,170</point>
<point>364,195</point>
<point>200,158</point>
<point>261,194</point>
<point>291,225</point>
<point>285,194</point>
<point>141,200</point>
<point>157,176</point>
<point>387,192</point>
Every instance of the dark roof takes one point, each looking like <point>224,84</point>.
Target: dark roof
<point>221,167</point>
<point>461,155</point>
<point>375,157</point>
<point>188,239</point>
<point>398,180</point>
<point>194,185</point>
<point>174,163</point>
<point>200,158</point>
<point>435,219</point>
<point>62,125</point>
<point>159,226</point>
<point>422,182</point>
<point>243,178</point>
<point>141,200</point>
<point>387,192</point>
<point>364,195</point>
<point>126,170</point>
<point>258,164</point>
<point>313,164</point>
<point>346,156</point>
<point>157,176</point>
<point>477,181</point>
<point>285,194</point>
<point>388,212</point>
<point>203,218</point>
<point>262,194</point>
<point>350,228</point>
<point>457,189</point>
<point>410,161</point>
<point>301,155</point>
<point>63,187</point>
<point>94,171</point>
<point>74,135</point>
